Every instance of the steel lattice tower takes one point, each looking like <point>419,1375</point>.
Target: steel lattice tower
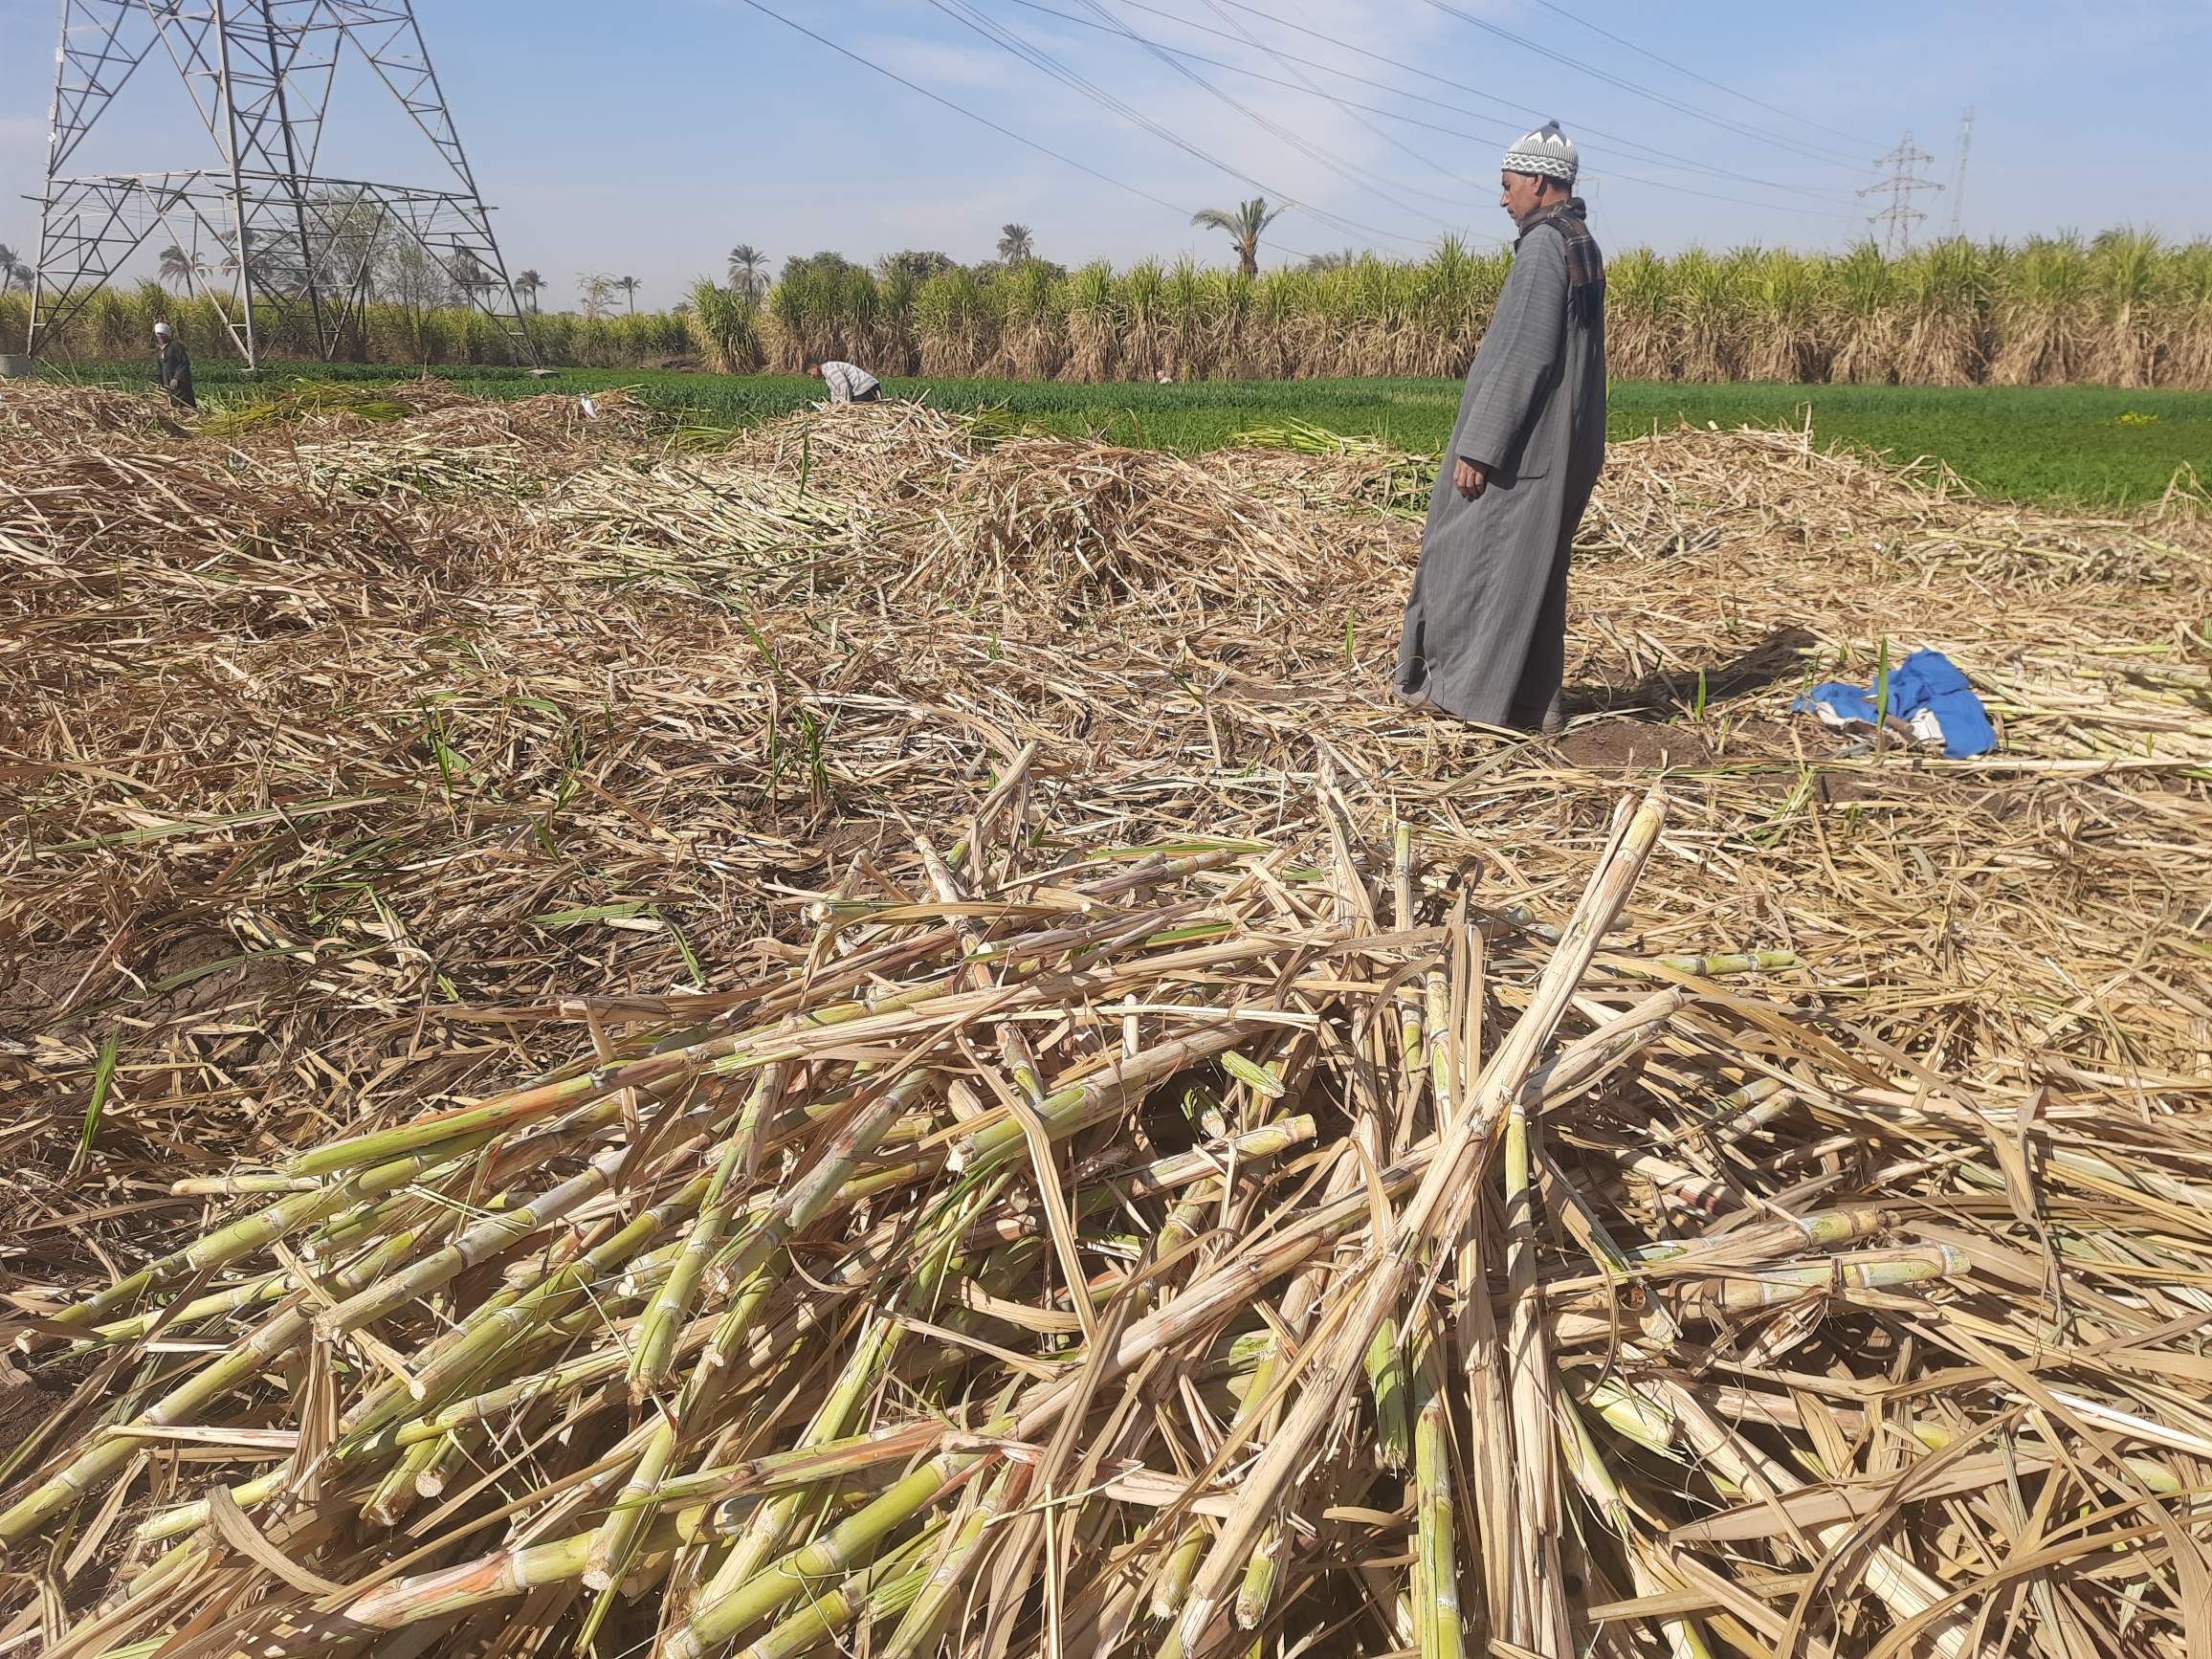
<point>1899,218</point>
<point>297,244</point>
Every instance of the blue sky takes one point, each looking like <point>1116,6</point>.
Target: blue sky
<point>645,137</point>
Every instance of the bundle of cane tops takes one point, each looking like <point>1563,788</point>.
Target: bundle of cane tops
<point>1166,1250</point>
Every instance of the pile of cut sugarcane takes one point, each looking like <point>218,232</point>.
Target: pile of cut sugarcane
<point>1206,1248</point>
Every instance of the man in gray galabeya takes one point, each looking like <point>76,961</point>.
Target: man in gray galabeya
<point>1486,624</point>
<point>174,364</point>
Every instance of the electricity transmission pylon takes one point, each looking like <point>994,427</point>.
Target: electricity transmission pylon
<point>1897,220</point>
<point>1958,183</point>
<point>298,247</point>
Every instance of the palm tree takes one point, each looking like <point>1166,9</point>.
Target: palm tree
<point>13,270</point>
<point>470,276</point>
<point>1336,261</point>
<point>748,270</point>
<point>529,282</point>
<point>629,285</point>
<point>1016,245</point>
<point>1243,226</point>
<point>179,267</point>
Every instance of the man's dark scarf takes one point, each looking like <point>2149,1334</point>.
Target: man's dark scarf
<point>1586,265</point>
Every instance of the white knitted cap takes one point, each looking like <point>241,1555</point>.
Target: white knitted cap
<point>160,328</point>
<point>1548,152</point>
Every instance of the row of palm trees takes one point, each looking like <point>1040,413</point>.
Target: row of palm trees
<point>181,270</point>
<point>1017,244</point>
<point>747,265</point>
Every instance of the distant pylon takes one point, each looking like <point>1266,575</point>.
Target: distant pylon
<point>1958,183</point>
<point>297,247</point>
<point>1897,219</point>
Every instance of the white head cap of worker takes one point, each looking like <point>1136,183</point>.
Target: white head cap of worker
<point>1547,152</point>
<point>162,329</point>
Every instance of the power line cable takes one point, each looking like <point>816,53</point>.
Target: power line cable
<point>982,120</point>
<point>1040,59</point>
<point>1458,133</point>
<point>1717,87</point>
<point>1521,111</point>
<point>1317,90</point>
<point>1665,100</point>
<point>1266,123</point>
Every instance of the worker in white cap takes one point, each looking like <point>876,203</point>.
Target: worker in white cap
<point>175,366</point>
<point>1486,624</point>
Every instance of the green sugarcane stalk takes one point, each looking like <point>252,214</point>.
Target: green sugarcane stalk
<point>851,1540</point>
<point>263,1228</point>
<point>267,1288</point>
<point>1765,1287</point>
<point>613,1546</point>
<point>1436,1608</point>
<point>591,1368</point>
<point>397,1492</point>
<point>454,1448</point>
<point>614,1551</point>
<point>771,1521</point>
<point>1633,1417</point>
<point>1174,1582</point>
<point>1159,1177</point>
<point>949,1579</point>
<point>1591,1473</point>
<point>1541,1614</point>
<point>777,1472</point>
<point>488,1238</point>
<point>751,1132</point>
<point>664,1318</point>
<point>1726,963</point>
<point>1079,1105</point>
<point>513,1313</point>
<point>833,1418</point>
<point>1258,1417</point>
<point>101,1457</point>
<point>1261,1572</point>
<point>875,1592</point>
<point>1386,1382</point>
<point>506,1573</point>
<point>602,1086</point>
<point>240,1186</point>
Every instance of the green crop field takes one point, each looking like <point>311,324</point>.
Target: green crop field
<point>2095,446</point>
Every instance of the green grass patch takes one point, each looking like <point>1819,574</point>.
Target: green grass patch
<point>2080,446</point>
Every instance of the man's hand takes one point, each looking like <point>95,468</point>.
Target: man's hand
<point>1470,479</point>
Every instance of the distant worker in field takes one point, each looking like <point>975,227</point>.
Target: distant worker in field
<point>175,367</point>
<point>1486,624</point>
<point>847,381</point>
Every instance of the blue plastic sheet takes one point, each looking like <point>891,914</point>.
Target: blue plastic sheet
<point>1926,690</point>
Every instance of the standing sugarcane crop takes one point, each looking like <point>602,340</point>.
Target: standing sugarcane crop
<point>1486,624</point>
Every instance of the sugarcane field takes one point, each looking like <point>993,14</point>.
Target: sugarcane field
<point>1318,829</point>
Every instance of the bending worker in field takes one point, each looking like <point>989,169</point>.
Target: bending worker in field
<point>1486,624</point>
<point>847,383</point>
<point>174,364</point>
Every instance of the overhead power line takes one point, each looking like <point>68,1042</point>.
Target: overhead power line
<point>1038,58</point>
<point>1665,100</point>
<point>1353,105</point>
<point>1521,111</point>
<point>1291,65</point>
<point>1027,143</point>
<point>1705,79</point>
<point>1336,164</point>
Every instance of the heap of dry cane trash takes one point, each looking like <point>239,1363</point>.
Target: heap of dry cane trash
<point>874,1037</point>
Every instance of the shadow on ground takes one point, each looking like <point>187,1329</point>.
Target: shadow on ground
<point>1661,696</point>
